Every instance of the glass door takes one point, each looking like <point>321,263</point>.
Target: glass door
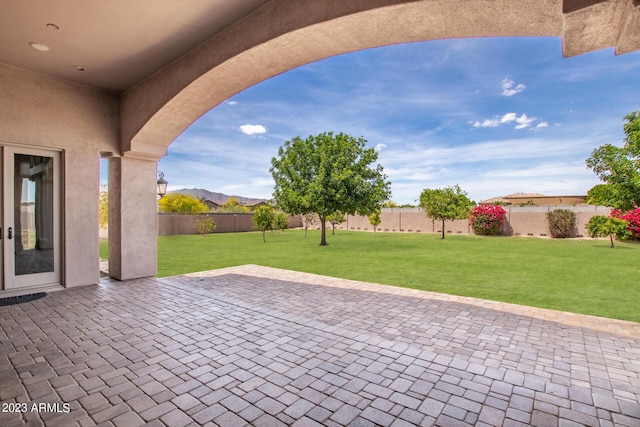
<point>31,217</point>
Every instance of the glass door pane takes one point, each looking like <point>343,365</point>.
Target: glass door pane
<point>33,214</point>
<point>31,234</point>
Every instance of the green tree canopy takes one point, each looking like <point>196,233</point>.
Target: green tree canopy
<point>619,169</point>
<point>234,206</point>
<point>182,203</point>
<point>375,220</point>
<point>103,209</point>
<point>447,203</point>
<point>328,173</point>
<point>335,219</point>
<point>263,217</point>
<point>603,226</point>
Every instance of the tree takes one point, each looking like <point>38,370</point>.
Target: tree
<point>204,225</point>
<point>328,173</point>
<point>602,226</point>
<point>310,219</point>
<point>374,219</point>
<point>619,169</point>
<point>444,204</point>
<point>263,217</point>
<point>280,221</point>
<point>182,203</point>
<point>234,206</point>
<point>335,219</point>
<point>103,209</point>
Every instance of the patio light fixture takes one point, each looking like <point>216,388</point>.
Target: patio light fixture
<point>162,184</point>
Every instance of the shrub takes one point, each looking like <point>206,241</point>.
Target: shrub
<point>633,222</point>
<point>562,223</point>
<point>204,225</point>
<point>487,219</point>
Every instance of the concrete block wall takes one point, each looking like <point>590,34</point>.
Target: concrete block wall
<point>169,224</point>
<point>520,221</point>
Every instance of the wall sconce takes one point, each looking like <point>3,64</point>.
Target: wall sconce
<point>162,185</point>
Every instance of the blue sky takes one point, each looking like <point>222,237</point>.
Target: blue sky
<point>494,115</point>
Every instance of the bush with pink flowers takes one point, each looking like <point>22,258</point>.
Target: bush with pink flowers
<point>487,219</point>
<point>633,222</point>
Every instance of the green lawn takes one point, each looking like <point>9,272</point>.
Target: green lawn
<point>581,276</point>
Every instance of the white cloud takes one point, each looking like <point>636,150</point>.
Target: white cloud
<point>542,125</point>
<point>232,103</point>
<point>252,129</point>
<point>522,122</point>
<point>508,88</point>
<point>508,118</point>
<point>487,123</point>
<point>380,147</point>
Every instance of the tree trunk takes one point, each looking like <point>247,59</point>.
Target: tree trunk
<point>443,229</point>
<point>611,240</point>
<point>323,230</point>
<point>333,229</point>
<point>264,239</point>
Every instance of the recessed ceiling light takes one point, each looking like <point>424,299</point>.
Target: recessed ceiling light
<point>52,26</point>
<point>39,46</point>
<point>78,68</point>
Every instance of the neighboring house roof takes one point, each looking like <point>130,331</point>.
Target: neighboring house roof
<point>537,199</point>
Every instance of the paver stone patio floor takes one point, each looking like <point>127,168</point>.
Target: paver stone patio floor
<point>259,346</point>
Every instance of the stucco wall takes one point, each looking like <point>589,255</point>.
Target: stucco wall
<point>44,112</point>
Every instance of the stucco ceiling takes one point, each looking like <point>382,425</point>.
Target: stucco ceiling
<point>117,43</point>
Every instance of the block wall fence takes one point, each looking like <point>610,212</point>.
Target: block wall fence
<point>520,221</point>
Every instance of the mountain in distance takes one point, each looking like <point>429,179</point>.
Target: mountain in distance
<point>218,198</point>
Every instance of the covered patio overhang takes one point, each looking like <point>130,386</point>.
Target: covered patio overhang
<point>123,79</point>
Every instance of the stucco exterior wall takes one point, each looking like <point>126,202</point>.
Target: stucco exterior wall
<point>44,112</point>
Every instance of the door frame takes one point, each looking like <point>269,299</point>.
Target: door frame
<point>11,281</point>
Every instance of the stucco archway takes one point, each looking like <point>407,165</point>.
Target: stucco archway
<point>285,34</point>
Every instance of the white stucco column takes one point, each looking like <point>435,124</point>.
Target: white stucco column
<point>133,218</point>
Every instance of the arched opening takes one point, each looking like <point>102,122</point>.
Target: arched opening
<point>157,110</point>
<point>495,115</point>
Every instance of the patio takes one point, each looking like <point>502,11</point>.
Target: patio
<point>257,346</point>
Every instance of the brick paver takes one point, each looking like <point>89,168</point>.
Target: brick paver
<point>259,346</point>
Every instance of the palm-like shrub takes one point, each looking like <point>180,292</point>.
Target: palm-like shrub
<point>487,220</point>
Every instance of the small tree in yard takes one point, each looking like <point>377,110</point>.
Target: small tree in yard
<point>444,204</point>
<point>263,217</point>
<point>487,220</point>
<point>281,221</point>
<point>309,220</point>
<point>562,223</point>
<point>335,219</point>
<point>374,219</point>
<point>602,226</point>
<point>204,225</point>
<point>328,173</point>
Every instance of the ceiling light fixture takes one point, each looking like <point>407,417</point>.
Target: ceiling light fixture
<point>77,68</point>
<point>39,46</point>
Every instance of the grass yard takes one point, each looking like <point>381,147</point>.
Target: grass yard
<point>580,276</point>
